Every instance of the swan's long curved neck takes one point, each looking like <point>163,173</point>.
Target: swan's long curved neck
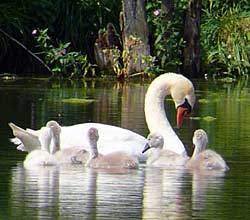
<point>156,117</point>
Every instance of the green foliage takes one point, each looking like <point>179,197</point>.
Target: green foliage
<point>61,59</point>
<point>167,33</point>
<point>79,21</point>
<point>225,38</point>
<point>75,21</point>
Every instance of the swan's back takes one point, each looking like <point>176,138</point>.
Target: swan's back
<point>208,160</point>
<point>117,160</point>
<point>111,138</point>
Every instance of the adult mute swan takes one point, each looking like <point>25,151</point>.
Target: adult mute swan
<point>182,91</point>
<point>159,157</point>
<point>205,159</point>
<point>117,160</point>
<point>114,138</point>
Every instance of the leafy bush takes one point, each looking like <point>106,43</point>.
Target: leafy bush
<point>167,33</point>
<point>225,36</point>
<point>62,61</point>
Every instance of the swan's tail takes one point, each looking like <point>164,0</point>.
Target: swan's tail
<point>25,140</point>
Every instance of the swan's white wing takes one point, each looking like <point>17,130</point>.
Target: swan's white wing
<point>111,138</point>
<point>25,140</point>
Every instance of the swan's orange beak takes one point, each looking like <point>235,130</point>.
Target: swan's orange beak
<point>181,113</point>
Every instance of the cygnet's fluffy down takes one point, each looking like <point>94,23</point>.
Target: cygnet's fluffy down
<point>205,159</point>
<point>112,160</point>
<point>51,153</point>
<point>159,157</point>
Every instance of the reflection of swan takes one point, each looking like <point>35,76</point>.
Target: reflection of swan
<point>163,195</point>
<point>112,160</point>
<point>180,88</point>
<point>73,192</point>
<point>207,190</point>
<point>161,157</point>
<point>202,158</point>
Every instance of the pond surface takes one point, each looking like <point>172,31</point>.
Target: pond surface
<point>75,192</point>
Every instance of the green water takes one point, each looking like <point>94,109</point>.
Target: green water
<point>81,193</point>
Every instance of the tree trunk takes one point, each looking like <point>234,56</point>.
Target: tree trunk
<point>167,8</point>
<point>135,37</point>
<point>191,53</point>
<point>108,49</point>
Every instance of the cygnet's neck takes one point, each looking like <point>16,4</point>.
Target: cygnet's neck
<point>198,149</point>
<point>153,155</point>
<point>93,149</point>
<point>156,117</point>
<point>55,145</point>
<point>45,138</point>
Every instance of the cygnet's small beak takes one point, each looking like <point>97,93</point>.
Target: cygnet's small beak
<point>147,146</point>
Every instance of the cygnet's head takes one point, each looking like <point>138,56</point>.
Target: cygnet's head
<point>155,140</point>
<point>200,139</point>
<point>93,134</point>
<point>55,127</point>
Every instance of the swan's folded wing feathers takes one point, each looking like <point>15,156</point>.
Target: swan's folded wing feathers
<point>28,140</point>
<point>213,160</point>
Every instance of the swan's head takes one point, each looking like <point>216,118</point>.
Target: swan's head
<point>93,134</point>
<point>184,108</point>
<point>183,95</point>
<point>55,127</point>
<point>52,124</point>
<point>200,140</point>
<point>155,140</point>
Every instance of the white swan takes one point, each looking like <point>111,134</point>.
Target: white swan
<point>205,159</point>
<point>115,160</point>
<point>111,139</point>
<point>159,157</point>
<point>118,139</point>
<point>182,92</point>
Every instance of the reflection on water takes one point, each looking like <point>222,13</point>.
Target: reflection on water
<point>75,191</point>
<point>78,192</point>
<point>163,198</point>
<point>147,193</point>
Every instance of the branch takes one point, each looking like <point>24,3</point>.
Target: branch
<point>27,50</point>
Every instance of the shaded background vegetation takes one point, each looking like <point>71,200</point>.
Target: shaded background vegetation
<point>224,31</point>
